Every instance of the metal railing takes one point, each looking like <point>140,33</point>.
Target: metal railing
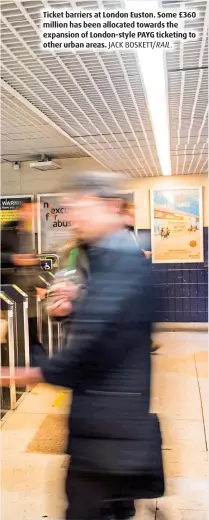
<point>15,351</point>
<point>8,396</point>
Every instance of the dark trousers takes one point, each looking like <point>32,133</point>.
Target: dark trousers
<point>37,351</point>
<point>88,496</point>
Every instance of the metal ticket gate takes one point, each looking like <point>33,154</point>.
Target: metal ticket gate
<point>7,354</point>
<point>45,329</point>
<point>56,326</point>
<point>49,330</point>
<point>49,277</point>
<point>21,330</point>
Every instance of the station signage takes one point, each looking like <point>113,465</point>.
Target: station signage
<point>10,206</point>
<point>53,222</point>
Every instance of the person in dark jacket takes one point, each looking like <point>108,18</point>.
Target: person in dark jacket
<point>114,441</point>
<point>128,210</point>
<point>20,266</point>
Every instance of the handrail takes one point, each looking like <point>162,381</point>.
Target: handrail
<point>8,305</point>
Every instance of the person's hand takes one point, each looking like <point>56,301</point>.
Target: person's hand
<point>25,260</point>
<point>61,291</point>
<point>60,299</point>
<point>60,309</point>
<point>22,376</point>
<point>147,254</point>
<point>41,293</point>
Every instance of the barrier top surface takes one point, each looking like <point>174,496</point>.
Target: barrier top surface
<point>6,300</point>
<point>14,292</point>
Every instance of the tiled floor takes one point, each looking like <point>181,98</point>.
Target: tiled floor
<point>32,483</point>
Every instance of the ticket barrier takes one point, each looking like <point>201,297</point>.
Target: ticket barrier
<point>56,326</point>
<point>49,331</point>
<point>7,354</point>
<point>45,329</point>
<point>21,330</point>
<point>48,276</point>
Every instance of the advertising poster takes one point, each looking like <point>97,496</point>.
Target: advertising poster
<point>176,225</point>
<point>10,205</point>
<point>53,223</point>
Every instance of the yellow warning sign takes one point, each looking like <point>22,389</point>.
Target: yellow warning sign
<point>10,206</point>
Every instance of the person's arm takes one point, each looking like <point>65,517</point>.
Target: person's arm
<point>118,295</point>
<point>22,377</point>
<point>16,260</point>
<point>115,297</point>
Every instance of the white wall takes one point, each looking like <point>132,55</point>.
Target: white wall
<point>29,181</point>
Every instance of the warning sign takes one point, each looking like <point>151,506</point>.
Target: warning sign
<point>10,206</point>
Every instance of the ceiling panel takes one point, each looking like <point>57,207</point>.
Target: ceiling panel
<point>98,99</point>
<point>188,94</point>
<point>25,135</point>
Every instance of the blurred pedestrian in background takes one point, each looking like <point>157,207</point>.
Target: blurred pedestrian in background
<point>129,219</point>
<point>21,266</point>
<point>114,441</point>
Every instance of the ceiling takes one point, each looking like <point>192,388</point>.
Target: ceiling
<point>26,134</point>
<point>87,103</point>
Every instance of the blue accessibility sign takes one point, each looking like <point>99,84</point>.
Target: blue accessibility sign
<point>46,264</point>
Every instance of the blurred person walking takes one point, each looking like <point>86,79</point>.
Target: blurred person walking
<point>63,297</point>
<point>73,256</point>
<point>129,219</point>
<point>63,301</point>
<point>114,442</point>
<point>20,266</point>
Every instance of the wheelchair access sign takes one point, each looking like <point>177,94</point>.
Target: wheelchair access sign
<point>49,262</point>
<point>46,264</point>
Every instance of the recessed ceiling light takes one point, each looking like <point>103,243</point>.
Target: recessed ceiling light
<point>153,70</point>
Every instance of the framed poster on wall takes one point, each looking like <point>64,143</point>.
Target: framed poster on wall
<point>9,210</point>
<point>177,225</point>
<point>53,222</point>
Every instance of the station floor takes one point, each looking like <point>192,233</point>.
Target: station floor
<point>33,437</point>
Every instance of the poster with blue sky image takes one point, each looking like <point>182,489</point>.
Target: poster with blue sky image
<point>176,225</point>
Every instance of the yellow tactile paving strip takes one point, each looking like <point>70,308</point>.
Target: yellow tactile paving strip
<point>62,400</point>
